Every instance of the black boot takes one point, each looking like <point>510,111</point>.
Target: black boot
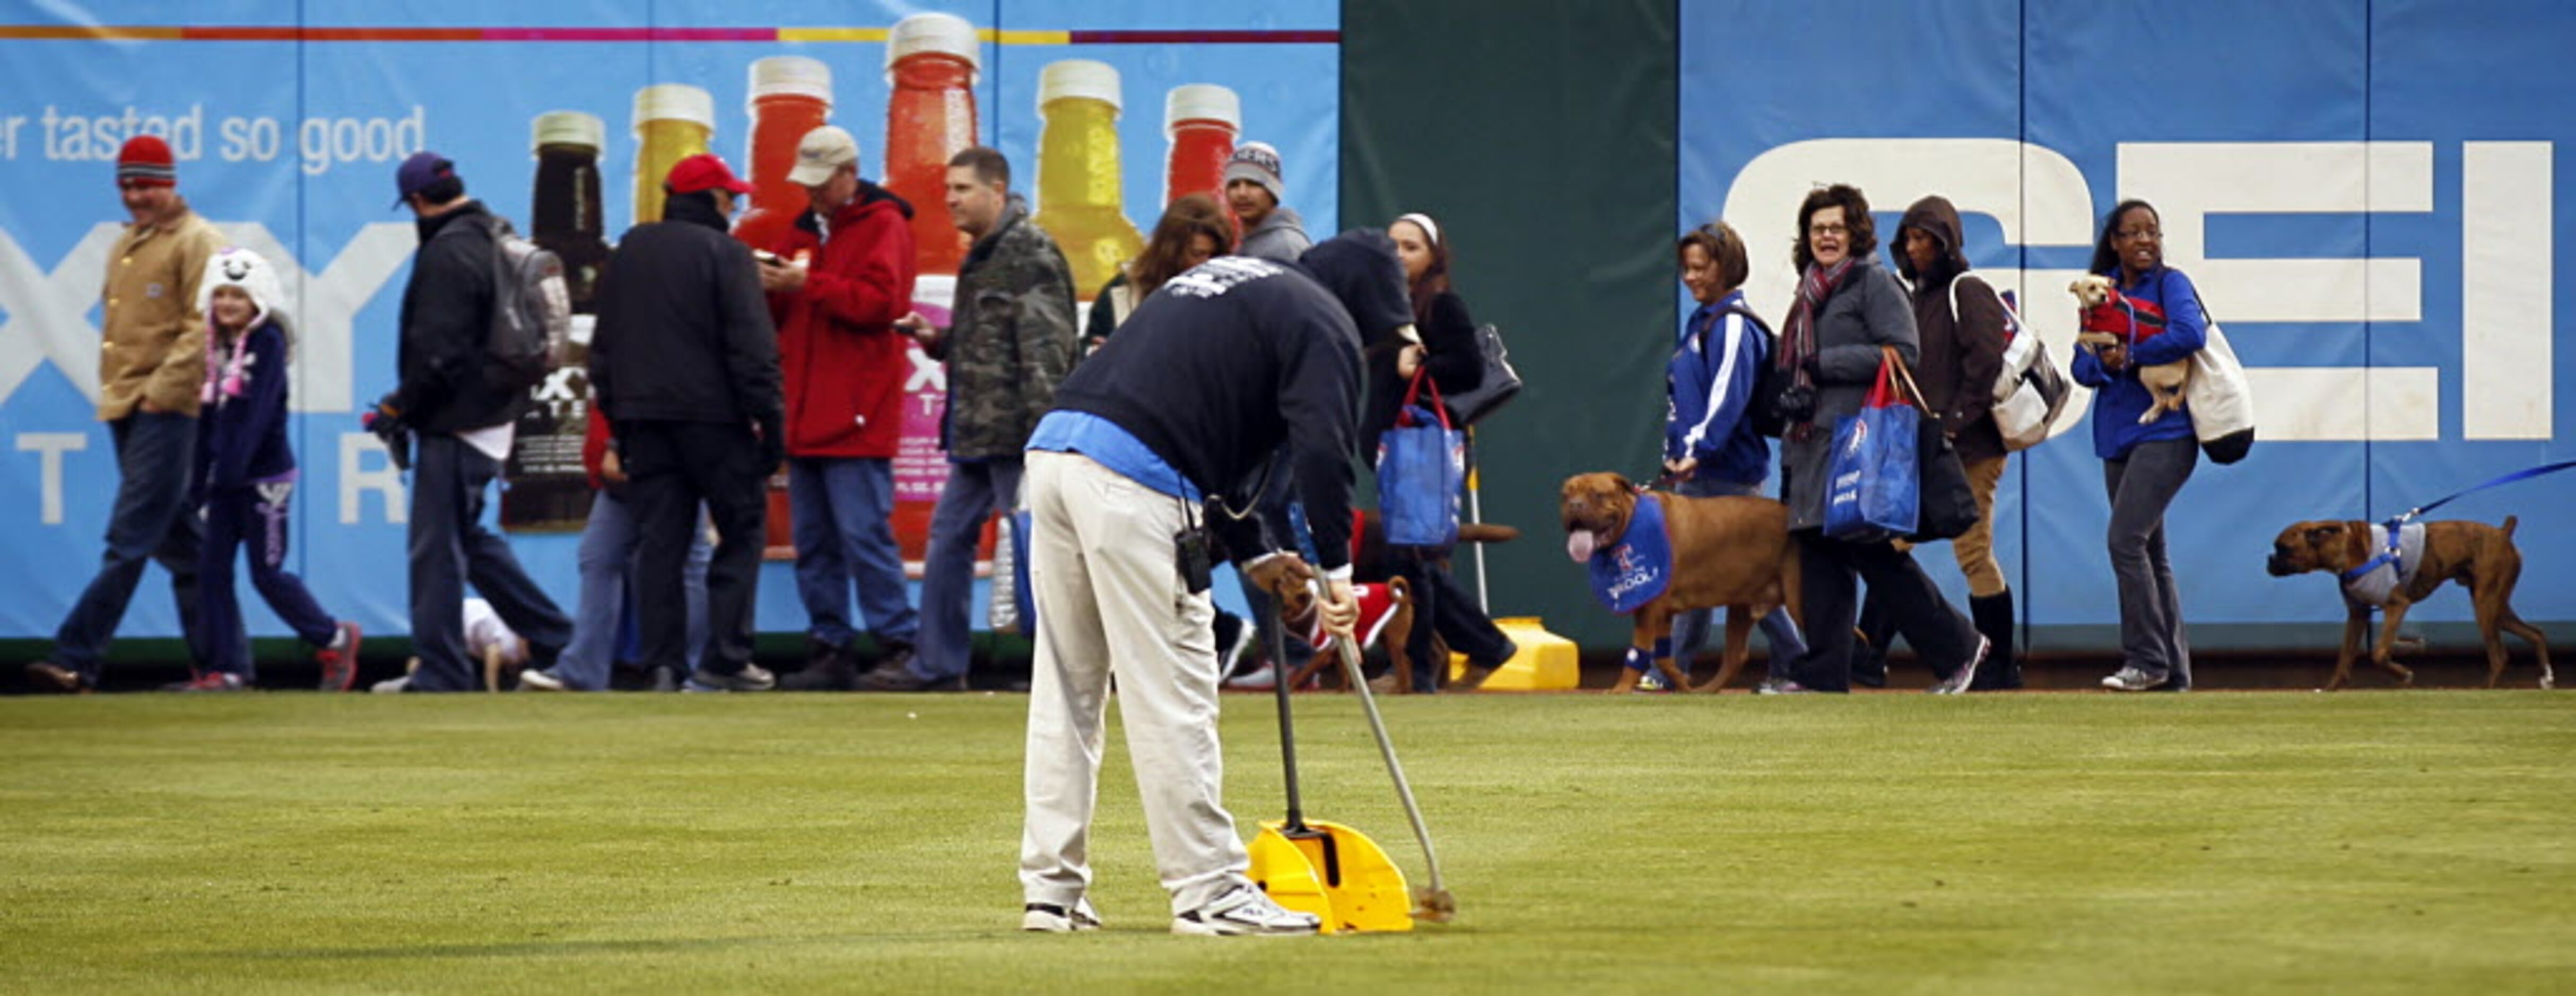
<point>1994,617</point>
<point>1870,641</point>
<point>827,669</point>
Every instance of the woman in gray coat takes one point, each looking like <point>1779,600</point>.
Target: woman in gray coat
<point>1849,306</point>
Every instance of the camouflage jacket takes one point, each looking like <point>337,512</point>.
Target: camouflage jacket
<point>1010,338</point>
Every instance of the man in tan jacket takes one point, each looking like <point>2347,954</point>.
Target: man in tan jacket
<point>151,368</point>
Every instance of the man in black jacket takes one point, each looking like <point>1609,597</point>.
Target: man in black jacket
<point>685,364</point>
<point>460,405</point>
<point>1206,380</point>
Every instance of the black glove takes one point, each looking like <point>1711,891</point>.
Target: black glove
<point>386,422</point>
<point>773,445</point>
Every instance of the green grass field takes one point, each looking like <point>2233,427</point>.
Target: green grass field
<point>2369,842</point>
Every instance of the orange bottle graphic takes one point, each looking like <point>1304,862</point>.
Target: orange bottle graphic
<point>931,61</point>
<point>1079,201</point>
<point>1202,120</point>
<point>790,95</point>
<point>673,121</point>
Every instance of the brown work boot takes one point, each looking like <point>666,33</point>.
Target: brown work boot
<point>1475,677</point>
<point>48,676</point>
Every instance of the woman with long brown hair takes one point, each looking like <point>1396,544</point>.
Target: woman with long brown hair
<point>1445,350</point>
<point>1193,230</point>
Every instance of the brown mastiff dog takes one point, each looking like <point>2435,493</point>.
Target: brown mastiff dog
<point>2482,558</point>
<point>1731,552</point>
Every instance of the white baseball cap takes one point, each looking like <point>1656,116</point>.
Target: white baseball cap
<point>822,152</point>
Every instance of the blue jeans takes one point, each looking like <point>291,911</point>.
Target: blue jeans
<point>253,520</point>
<point>974,491</point>
<point>1691,629</point>
<point>151,522</point>
<point>450,547</point>
<point>843,526</point>
<point>607,560</point>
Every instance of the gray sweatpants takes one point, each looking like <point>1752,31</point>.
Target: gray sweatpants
<point>2151,630</point>
<point>1110,600</point>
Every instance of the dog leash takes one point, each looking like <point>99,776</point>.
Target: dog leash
<point>2389,554</point>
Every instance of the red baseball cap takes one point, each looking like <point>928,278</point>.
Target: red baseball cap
<point>704,171</point>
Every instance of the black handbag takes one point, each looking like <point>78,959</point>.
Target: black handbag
<point>1946,505</point>
<point>1500,384</point>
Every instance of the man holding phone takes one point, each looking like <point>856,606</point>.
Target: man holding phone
<point>837,282</point>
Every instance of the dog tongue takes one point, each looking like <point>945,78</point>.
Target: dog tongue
<point>1578,545</point>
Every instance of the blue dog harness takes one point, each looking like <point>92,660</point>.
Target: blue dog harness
<point>1636,570</point>
<point>2401,554</point>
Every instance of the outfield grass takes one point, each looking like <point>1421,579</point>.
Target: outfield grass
<point>2371,842</point>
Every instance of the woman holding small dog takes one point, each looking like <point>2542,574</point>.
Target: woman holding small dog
<point>2143,465</point>
<point>1848,307</point>
<point>1447,349</point>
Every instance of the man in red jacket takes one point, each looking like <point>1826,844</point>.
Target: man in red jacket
<point>843,276</point>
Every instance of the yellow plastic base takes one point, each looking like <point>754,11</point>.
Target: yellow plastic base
<point>1339,875</point>
<point>1546,662</point>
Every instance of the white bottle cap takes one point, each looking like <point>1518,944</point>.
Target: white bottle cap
<point>570,128</point>
<point>675,102</point>
<point>792,76</point>
<point>940,34</point>
<point>1078,78</point>
<point>1201,102</point>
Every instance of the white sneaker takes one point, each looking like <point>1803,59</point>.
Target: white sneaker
<point>391,685</point>
<point>1245,912</point>
<point>2129,679</point>
<point>1048,918</point>
<point>536,680</point>
<point>1259,680</point>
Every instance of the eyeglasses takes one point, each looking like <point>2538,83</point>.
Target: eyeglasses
<point>1830,229</point>
<point>2138,233</point>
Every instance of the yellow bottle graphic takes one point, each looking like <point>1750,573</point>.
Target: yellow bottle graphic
<point>1079,202</point>
<point>673,121</point>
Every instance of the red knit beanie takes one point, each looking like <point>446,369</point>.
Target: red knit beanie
<point>145,161</point>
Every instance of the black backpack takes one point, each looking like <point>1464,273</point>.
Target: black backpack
<point>531,308</point>
<point>1766,409</point>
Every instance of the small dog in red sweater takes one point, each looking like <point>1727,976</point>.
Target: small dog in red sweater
<point>2112,319</point>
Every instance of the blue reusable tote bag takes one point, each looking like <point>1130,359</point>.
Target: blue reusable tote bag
<point>1421,468</point>
<point>1872,490</point>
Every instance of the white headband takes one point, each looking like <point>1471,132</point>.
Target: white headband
<point>1428,228</point>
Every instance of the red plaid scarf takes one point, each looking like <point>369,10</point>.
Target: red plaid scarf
<point>1798,339</point>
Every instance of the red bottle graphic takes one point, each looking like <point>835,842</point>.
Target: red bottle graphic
<point>1202,120</point>
<point>790,95</point>
<point>931,61</point>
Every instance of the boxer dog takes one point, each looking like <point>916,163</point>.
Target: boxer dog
<point>2482,558</point>
<point>2109,319</point>
<point>1731,552</point>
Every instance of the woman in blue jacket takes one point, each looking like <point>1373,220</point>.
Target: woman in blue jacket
<point>2143,465</point>
<point>1710,447</point>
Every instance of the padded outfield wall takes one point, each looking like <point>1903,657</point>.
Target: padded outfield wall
<point>2366,190</point>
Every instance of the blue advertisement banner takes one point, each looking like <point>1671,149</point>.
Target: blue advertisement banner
<point>2364,191</point>
<point>287,121</point>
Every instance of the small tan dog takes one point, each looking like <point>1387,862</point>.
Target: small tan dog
<point>2110,319</point>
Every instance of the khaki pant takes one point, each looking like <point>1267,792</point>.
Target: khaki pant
<point>1110,600</point>
<point>1976,547</point>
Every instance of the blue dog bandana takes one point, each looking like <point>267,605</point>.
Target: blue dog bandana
<point>1633,572</point>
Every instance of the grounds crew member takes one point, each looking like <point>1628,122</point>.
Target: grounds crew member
<point>1203,384</point>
